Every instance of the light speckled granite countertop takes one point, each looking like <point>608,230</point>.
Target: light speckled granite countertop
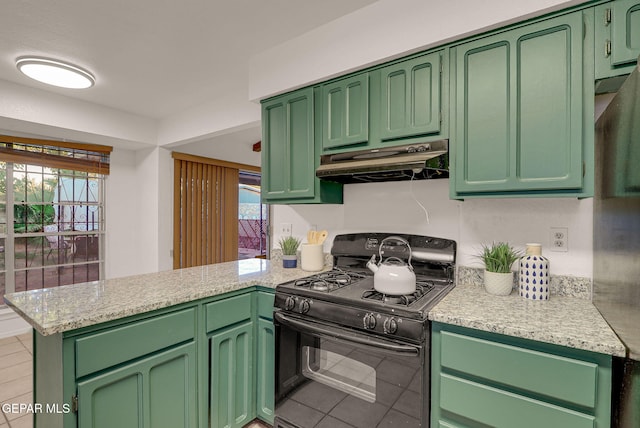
<point>562,320</point>
<point>55,310</point>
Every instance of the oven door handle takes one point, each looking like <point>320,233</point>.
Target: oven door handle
<point>342,334</point>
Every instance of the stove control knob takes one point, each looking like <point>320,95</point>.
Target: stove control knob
<point>390,325</point>
<point>305,305</point>
<point>369,321</point>
<point>289,303</point>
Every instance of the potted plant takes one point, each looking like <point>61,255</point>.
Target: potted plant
<point>498,258</point>
<point>289,246</point>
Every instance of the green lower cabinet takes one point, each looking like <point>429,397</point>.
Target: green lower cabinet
<point>158,391</point>
<point>208,363</point>
<point>231,376</point>
<point>617,34</point>
<point>265,356</point>
<point>265,375</point>
<point>486,379</point>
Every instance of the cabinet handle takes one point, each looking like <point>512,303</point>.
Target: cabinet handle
<point>607,48</point>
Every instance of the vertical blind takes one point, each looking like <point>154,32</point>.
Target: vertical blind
<point>205,220</point>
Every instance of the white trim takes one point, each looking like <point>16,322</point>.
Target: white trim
<point>11,324</point>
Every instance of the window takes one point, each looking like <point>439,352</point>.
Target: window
<point>208,226</point>
<point>51,213</point>
<point>252,217</point>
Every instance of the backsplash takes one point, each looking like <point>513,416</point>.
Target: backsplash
<point>392,207</point>
<point>560,285</point>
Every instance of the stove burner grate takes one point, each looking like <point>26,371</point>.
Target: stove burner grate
<point>329,281</point>
<point>422,288</point>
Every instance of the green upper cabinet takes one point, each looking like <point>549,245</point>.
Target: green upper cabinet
<point>345,112</point>
<point>617,36</point>
<point>409,94</point>
<point>290,151</point>
<point>518,96</point>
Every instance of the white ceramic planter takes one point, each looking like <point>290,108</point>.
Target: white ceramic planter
<point>499,284</point>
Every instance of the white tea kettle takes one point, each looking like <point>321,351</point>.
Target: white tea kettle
<point>393,276</point>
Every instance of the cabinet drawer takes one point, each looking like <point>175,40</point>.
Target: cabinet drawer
<point>498,408</point>
<point>228,311</point>
<point>117,345</point>
<point>539,373</point>
<point>265,305</point>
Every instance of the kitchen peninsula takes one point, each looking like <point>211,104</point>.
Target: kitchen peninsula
<point>111,343</point>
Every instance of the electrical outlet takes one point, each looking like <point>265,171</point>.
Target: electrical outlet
<point>559,239</point>
<point>285,229</point>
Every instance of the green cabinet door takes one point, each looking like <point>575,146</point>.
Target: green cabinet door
<point>288,152</point>
<point>156,392</point>
<point>518,114</point>
<point>291,151</point>
<point>513,382</point>
<point>617,35</point>
<point>265,356</point>
<point>265,366</point>
<point>409,97</point>
<point>231,376</point>
<point>345,112</point>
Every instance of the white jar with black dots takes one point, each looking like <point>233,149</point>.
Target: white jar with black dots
<point>534,274</point>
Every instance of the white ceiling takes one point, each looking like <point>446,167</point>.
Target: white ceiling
<point>156,58</point>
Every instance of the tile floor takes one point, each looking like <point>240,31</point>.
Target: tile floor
<point>15,380</point>
<point>16,383</point>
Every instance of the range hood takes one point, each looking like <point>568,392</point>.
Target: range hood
<point>418,161</point>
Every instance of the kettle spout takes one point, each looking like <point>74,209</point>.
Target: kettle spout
<point>371,264</point>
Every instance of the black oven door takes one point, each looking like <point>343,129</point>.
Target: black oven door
<point>332,377</point>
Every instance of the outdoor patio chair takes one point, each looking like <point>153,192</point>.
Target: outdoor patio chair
<point>56,242</point>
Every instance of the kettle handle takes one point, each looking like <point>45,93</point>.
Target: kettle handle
<point>399,239</point>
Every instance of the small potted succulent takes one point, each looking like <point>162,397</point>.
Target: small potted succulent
<point>289,246</point>
<point>497,259</point>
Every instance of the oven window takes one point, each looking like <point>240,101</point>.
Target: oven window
<point>339,372</point>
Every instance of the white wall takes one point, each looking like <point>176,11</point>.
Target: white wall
<point>391,207</point>
<point>139,212</point>
<point>381,31</point>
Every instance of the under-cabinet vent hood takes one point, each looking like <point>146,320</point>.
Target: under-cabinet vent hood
<point>418,161</point>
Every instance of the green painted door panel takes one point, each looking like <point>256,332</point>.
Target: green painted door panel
<point>274,152</point>
<point>483,379</point>
<point>265,304</point>
<point>345,112</point>
<point>155,392</point>
<point>226,312</point>
<point>625,32</point>
<point>121,344</point>
<point>265,365</point>
<point>231,376</point>
<point>485,107</point>
<point>519,109</point>
<point>498,408</point>
<point>533,372</point>
<point>617,40</point>
<point>288,146</point>
<point>291,146</point>
<point>410,94</point>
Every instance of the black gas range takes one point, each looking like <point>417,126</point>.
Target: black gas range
<point>346,294</point>
<point>349,356</point>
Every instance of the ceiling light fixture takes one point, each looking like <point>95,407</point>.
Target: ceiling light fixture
<point>56,73</point>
